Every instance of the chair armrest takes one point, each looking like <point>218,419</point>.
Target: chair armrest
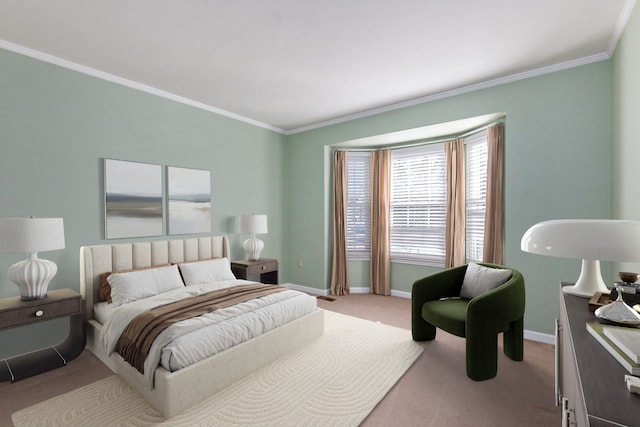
<point>503,304</point>
<point>445,283</point>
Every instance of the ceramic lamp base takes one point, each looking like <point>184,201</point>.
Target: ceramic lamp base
<point>253,247</point>
<point>32,276</point>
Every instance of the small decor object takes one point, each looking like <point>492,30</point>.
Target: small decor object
<point>627,277</point>
<point>133,199</point>
<point>633,383</point>
<point>592,240</point>
<point>189,200</point>
<point>253,224</point>
<point>627,288</point>
<point>32,235</point>
<point>598,300</point>
<point>618,312</point>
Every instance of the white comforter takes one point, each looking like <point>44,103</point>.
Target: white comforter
<point>191,340</point>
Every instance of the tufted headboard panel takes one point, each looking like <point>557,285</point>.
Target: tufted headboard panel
<point>98,259</point>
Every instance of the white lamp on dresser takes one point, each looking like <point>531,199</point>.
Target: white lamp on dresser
<point>592,240</point>
<point>30,236</point>
<point>253,224</point>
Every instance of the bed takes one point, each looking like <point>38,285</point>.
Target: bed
<point>172,391</point>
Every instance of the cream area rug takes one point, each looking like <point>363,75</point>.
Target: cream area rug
<point>335,380</point>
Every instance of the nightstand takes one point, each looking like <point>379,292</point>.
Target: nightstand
<point>59,303</point>
<point>266,268</point>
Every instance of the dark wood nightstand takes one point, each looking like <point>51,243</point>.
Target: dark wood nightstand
<point>266,268</point>
<point>59,303</point>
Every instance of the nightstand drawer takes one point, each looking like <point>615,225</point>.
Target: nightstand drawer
<point>263,268</point>
<point>266,268</point>
<point>37,313</point>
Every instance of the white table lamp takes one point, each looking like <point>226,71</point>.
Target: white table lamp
<point>253,224</point>
<point>32,235</point>
<point>592,240</point>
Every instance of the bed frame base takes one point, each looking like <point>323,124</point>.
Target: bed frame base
<point>174,392</point>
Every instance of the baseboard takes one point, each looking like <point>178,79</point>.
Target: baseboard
<point>401,294</point>
<point>306,289</point>
<point>394,293</point>
<point>358,290</point>
<point>529,335</point>
<point>539,337</point>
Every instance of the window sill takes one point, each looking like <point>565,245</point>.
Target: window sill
<point>408,261</point>
<point>414,261</point>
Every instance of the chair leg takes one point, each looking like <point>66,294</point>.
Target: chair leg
<point>513,340</point>
<point>482,355</point>
<point>421,330</point>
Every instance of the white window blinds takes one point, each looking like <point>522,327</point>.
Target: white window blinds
<point>476,193</point>
<point>418,204</point>
<point>358,205</point>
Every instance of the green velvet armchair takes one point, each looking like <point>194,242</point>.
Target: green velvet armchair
<point>436,303</point>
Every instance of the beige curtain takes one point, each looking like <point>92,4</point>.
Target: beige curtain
<point>380,265</point>
<point>339,271</point>
<point>494,216</point>
<point>455,239</point>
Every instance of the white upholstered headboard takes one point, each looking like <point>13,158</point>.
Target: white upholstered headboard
<point>98,259</point>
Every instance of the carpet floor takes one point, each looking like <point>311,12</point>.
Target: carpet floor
<point>434,392</point>
<point>336,380</point>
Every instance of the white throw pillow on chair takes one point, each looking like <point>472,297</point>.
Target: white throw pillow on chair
<point>479,279</point>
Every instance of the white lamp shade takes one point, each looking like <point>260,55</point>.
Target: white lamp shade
<point>253,224</point>
<point>592,240</point>
<point>31,235</point>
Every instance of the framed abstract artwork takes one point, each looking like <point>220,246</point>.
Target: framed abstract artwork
<point>188,200</point>
<point>133,199</point>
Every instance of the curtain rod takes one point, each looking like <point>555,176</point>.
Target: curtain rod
<point>437,140</point>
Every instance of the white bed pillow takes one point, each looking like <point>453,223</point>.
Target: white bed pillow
<point>479,279</point>
<point>134,285</point>
<point>207,271</point>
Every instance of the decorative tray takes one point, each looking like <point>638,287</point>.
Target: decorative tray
<point>599,299</point>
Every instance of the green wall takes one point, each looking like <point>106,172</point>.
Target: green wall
<point>557,165</point>
<point>626,127</point>
<point>57,126</point>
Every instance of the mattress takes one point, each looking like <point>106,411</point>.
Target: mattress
<point>191,340</point>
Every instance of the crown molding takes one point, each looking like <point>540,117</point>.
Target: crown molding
<point>458,91</point>
<point>621,23</point>
<point>41,56</point>
<point>22,50</point>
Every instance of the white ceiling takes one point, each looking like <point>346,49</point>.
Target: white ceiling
<point>291,65</point>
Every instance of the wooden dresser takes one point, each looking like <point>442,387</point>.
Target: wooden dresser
<point>589,382</point>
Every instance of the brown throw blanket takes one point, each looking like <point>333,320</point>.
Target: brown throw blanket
<point>135,342</point>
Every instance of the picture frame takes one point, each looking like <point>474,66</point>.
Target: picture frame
<point>188,200</point>
<point>133,199</point>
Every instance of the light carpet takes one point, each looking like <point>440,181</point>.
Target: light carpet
<point>335,380</point>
